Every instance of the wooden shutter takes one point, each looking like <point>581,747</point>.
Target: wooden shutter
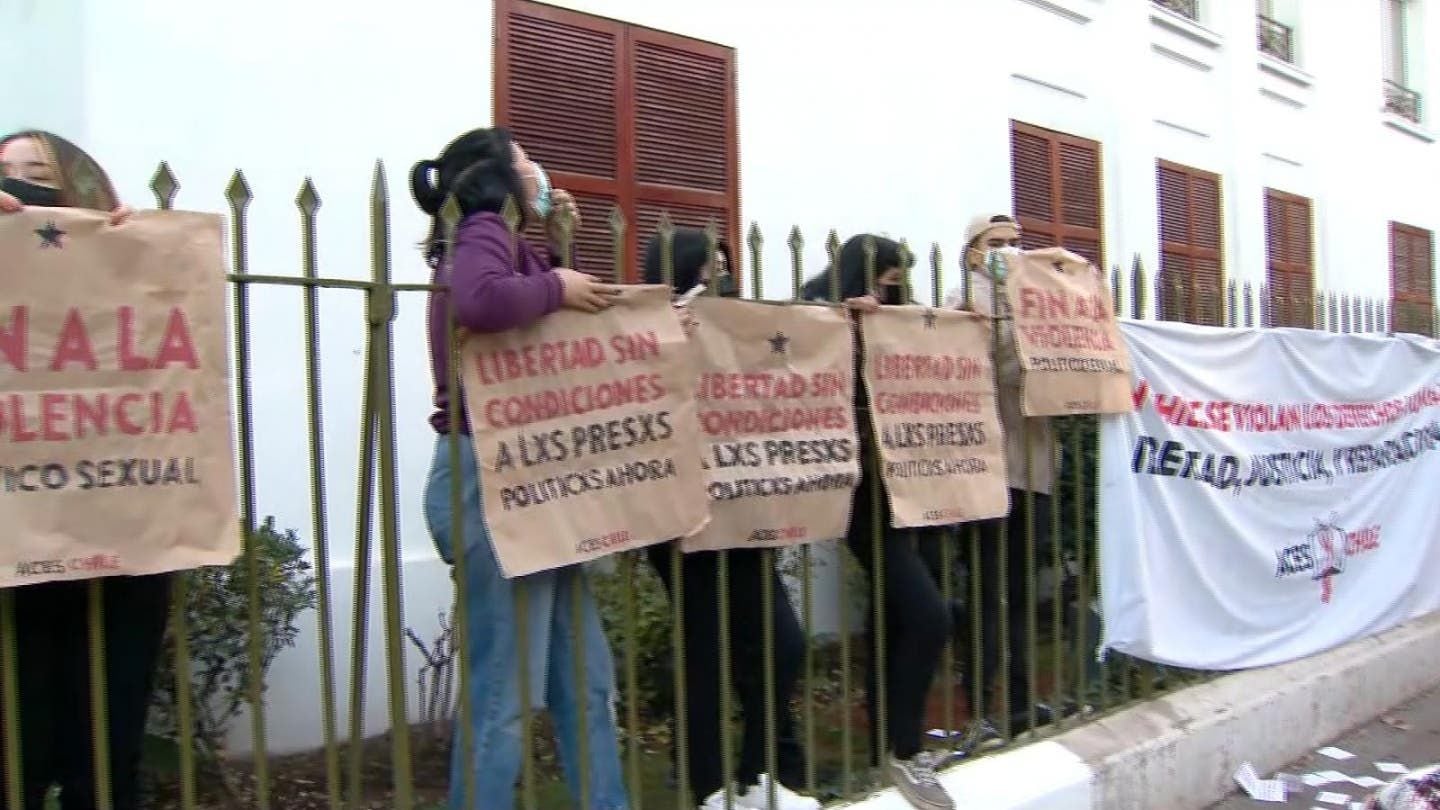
<point>1412,279</point>
<point>1290,269</point>
<point>624,118</point>
<point>1057,188</point>
<point>1191,283</point>
<point>558,89</point>
<point>685,147</point>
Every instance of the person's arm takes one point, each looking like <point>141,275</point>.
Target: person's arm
<point>488,294</point>
<point>10,205</point>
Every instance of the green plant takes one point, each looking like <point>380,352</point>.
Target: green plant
<point>651,633</point>
<point>219,627</point>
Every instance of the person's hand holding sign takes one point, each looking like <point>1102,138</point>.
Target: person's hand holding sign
<point>585,292</point>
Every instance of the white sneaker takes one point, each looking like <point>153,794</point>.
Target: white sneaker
<point>758,797</point>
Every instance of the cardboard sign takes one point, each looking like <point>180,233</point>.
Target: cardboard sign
<point>585,433</point>
<point>116,432</point>
<point>1069,344</point>
<point>776,398</point>
<point>932,404</point>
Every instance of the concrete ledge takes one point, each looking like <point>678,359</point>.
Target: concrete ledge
<point>1042,776</point>
<point>1179,752</point>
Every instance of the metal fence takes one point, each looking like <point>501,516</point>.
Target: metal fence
<point>1060,618</point>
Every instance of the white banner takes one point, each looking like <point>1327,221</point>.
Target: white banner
<point>1276,493</point>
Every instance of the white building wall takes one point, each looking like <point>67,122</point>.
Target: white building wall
<point>891,117</point>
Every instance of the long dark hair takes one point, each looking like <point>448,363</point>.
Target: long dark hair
<point>689,251</point>
<point>83,184</point>
<point>852,271</point>
<point>478,168</point>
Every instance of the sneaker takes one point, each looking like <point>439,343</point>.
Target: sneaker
<point>758,797</point>
<point>981,736</point>
<point>915,778</point>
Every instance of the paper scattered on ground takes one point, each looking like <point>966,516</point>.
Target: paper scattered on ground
<point>1333,776</point>
<point>1335,753</point>
<point>1261,790</point>
<point>1367,781</point>
<point>1391,767</point>
<point>1333,798</point>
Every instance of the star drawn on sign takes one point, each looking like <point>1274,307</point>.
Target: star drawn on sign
<point>50,236</point>
<point>930,318</point>
<point>778,343</point>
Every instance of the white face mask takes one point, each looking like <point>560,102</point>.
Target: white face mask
<point>995,260</point>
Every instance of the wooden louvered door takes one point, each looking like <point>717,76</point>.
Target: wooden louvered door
<point>1412,279</point>
<point>1057,188</point>
<point>1290,263</point>
<point>685,146</point>
<point>1191,284</point>
<point>625,118</point>
<point>558,89</point>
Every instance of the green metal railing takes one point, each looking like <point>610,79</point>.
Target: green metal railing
<point>1059,625</point>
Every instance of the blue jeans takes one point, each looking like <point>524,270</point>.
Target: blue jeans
<point>548,609</point>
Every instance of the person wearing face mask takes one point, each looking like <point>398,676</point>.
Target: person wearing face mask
<point>494,281</point>
<point>693,263</point>
<point>43,170</point>
<point>1031,461</point>
<point>917,619</point>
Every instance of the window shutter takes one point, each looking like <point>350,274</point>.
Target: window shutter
<point>558,90</point>
<point>1412,279</point>
<point>622,117</point>
<point>1192,279</point>
<point>1290,272</point>
<point>1057,194</point>
<point>685,148</point>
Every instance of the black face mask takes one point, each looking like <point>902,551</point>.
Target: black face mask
<point>726,286</point>
<point>892,294</point>
<point>29,193</point>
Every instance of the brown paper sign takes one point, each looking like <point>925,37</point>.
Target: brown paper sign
<point>585,433</point>
<point>932,402</point>
<point>1069,344</point>
<point>777,422</point>
<point>116,433</point>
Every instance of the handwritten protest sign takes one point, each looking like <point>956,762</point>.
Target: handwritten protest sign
<point>932,402</point>
<point>116,453</point>
<point>776,394</point>
<point>585,433</point>
<point>1065,333</point>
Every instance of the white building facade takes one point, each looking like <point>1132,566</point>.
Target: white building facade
<point>898,117</point>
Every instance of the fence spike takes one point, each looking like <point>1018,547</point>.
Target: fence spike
<point>1137,288</point>
<point>796,243</point>
<point>308,200</point>
<point>937,272</point>
<point>832,249</point>
<point>238,192</point>
<point>616,221</point>
<point>756,241</point>
<point>164,185</point>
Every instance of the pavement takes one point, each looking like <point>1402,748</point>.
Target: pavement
<point>1408,735</point>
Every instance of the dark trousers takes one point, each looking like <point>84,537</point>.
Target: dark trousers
<point>917,619</point>
<point>52,642</point>
<point>747,570</point>
<point>1002,559</point>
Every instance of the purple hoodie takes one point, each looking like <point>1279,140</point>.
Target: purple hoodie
<point>497,282</point>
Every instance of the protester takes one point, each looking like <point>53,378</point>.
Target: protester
<point>496,281</point>
<point>1031,460</point>
<point>694,262</point>
<point>43,170</point>
<point>917,619</point>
